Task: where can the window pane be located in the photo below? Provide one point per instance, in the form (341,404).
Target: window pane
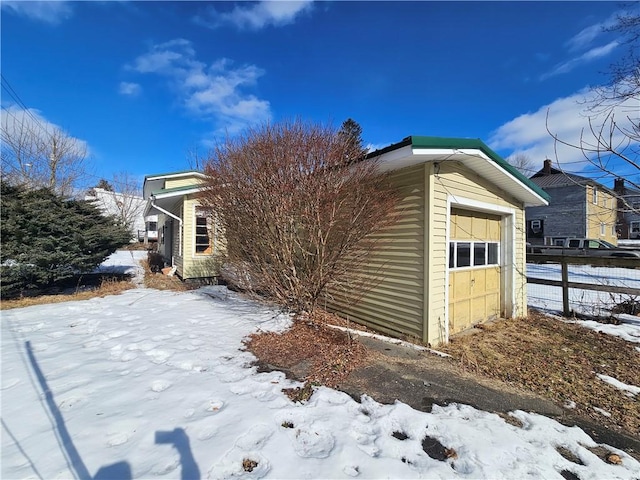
(479,251)
(493,254)
(452,253)
(202,239)
(463,254)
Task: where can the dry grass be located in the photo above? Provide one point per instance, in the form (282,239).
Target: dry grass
(107,287)
(328,354)
(546,356)
(160,281)
(556,360)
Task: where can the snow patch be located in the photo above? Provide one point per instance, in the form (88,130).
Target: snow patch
(630,390)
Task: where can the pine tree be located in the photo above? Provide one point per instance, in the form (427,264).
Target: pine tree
(351,132)
(47,238)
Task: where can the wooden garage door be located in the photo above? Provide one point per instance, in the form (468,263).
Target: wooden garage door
(474,268)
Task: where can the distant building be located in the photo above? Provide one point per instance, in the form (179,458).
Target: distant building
(628,201)
(578,207)
(128,208)
(189,236)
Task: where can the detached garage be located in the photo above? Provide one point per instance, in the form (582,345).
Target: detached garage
(456,257)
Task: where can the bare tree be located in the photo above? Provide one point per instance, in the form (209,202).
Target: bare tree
(196,159)
(611,140)
(297,220)
(124,201)
(523,163)
(37,155)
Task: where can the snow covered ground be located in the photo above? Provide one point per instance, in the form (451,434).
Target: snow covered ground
(154,384)
(589,302)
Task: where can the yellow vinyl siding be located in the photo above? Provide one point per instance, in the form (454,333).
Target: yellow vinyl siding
(182,182)
(410,297)
(604,212)
(395,305)
(196,265)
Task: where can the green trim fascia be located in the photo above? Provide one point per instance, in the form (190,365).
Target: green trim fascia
(169,174)
(417,141)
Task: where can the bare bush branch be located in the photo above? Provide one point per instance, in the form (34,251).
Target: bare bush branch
(298,220)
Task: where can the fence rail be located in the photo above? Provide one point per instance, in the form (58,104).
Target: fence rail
(565,260)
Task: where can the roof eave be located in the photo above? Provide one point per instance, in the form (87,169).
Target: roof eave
(405,154)
(166,199)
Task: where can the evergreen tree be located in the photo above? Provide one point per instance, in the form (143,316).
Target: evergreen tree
(105,185)
(351,133)
(47,238)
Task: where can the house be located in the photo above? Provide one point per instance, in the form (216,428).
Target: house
(125,207)
(189,238)
(628,202)
(150,232)
(456,256)
(578,207)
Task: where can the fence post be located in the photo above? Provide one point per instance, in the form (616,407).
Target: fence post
(565,288)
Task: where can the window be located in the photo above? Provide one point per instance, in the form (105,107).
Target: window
(535,229)
(203,228)
(603,229)
(574,243)
(463,254)
(477,254)
(594,197)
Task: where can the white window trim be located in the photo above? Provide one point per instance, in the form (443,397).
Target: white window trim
(212,239)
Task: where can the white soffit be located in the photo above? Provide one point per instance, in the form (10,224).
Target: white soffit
(473,159)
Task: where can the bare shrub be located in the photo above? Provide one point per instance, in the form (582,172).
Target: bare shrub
(297,210)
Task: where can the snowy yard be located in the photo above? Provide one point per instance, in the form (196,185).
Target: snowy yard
(153,384)
(588,302)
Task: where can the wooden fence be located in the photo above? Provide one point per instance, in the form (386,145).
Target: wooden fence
(565,260)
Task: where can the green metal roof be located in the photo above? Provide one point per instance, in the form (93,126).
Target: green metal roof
(417,142)
(170,174)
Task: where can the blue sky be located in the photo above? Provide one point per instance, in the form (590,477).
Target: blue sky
(142,83)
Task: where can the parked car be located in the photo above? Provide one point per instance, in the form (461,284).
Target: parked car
(589,247)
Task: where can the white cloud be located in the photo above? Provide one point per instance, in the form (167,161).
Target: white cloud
(215,91)
(593,54)
(13,117)
(587,35)
(50,11)
(129,88)
(257,15)
(568,118)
